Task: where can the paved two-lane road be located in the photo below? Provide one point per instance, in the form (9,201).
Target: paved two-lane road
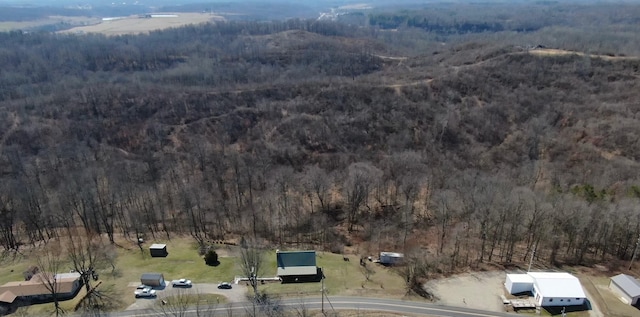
(338,303)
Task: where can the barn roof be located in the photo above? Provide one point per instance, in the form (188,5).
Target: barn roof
(627,284)
(558,284)
(296,262)
(158,246)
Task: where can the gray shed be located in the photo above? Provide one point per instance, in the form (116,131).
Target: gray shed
(152,279)
(627,287)
(158,250)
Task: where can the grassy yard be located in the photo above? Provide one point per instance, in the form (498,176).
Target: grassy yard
(342,278)
(183,261)
(607,301)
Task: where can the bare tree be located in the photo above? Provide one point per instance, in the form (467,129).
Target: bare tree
(185,303)
(317,185)
(50,262)
(251,262)
(360,179)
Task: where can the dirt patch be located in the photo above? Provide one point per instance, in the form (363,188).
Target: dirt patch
(479,290)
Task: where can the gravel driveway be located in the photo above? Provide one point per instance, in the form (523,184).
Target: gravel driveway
(234,295)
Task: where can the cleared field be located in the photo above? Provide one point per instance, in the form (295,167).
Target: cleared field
(137,25)
(556,52)
(52,20)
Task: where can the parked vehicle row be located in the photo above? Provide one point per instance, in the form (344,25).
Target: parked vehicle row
(145,291)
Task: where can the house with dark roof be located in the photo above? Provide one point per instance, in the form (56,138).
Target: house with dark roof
(627,288)
(297,266)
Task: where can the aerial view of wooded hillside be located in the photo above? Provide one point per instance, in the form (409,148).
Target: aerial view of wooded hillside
(459,135)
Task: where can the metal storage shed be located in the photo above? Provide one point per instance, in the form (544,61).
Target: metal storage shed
(152,279)
(158,250)
(627,287)
(391,258)
(519,283)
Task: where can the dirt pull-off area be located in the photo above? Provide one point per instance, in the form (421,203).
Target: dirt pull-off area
(479,290)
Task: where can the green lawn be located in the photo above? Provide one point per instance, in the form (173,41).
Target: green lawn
(342,278)
(183,261)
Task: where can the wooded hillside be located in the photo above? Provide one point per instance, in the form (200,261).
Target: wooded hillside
(474,147)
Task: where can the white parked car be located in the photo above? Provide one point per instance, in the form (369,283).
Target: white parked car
(146,292)
(140,288)
(183,282)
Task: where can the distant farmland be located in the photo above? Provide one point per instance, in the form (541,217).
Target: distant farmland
(49,21)
(135,24)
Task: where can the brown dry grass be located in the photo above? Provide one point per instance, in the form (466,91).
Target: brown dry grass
(137,25)
(607,301)
(556,52)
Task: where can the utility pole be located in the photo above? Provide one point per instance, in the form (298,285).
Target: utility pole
(322,293)
(253,281)
(635,250)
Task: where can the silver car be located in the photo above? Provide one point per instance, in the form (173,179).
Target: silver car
(146,292)
(183,282)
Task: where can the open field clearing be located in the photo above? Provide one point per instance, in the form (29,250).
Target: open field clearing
(555,52)
(137,25)
(52,20)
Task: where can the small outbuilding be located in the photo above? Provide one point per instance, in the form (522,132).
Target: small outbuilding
(519,283)
(152,279)
(626,287)
(391,258)
(158,250)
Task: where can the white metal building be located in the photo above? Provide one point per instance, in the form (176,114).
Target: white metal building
(391,258)
(626,287)
(519,283)
(549,288)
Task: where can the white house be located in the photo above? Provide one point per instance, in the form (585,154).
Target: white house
(548,288)
(626,287)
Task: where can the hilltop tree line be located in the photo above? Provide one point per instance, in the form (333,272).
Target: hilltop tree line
(303,133)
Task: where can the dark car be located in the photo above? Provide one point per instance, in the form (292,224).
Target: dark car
(224,285)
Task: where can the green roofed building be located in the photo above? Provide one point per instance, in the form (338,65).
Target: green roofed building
(297,265)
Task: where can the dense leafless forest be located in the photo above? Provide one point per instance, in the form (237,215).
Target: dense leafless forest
(454,131)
